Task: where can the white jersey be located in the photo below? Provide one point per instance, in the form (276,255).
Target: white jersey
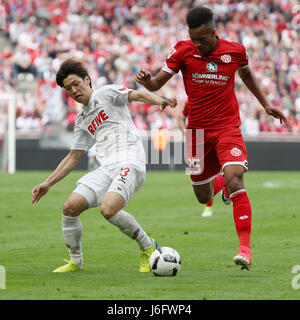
(106,121)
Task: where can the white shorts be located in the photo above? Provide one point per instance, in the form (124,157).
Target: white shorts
(125,180)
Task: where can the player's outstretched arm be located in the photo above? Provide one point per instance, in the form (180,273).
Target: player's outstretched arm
(152,83)
(151,98)
(63,169)
(252,84)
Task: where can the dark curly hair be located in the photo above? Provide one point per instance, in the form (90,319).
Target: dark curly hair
(198,16)
(71,66)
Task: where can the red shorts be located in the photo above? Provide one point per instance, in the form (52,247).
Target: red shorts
(209,151)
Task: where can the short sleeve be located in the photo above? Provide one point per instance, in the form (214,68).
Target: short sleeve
(174,60)
(81,140)
(116,94)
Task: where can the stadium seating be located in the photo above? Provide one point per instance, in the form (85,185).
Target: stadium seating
(117,38)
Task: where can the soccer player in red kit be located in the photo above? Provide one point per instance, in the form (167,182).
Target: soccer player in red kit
(208,65)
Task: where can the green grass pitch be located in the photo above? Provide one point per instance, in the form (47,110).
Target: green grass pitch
(31,242)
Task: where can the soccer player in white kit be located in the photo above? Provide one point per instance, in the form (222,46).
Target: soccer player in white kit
(106,121)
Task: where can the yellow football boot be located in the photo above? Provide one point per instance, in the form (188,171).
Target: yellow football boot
(69,267)
(145,256)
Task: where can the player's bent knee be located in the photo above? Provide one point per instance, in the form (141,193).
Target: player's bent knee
(107,211)
(70,210)
(235,183)
(203,198)
(203,193)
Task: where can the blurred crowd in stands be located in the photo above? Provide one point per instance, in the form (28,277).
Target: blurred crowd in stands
(116,38)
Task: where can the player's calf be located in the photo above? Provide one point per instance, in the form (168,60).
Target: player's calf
(75,205)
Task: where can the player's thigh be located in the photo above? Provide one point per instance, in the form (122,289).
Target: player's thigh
(232,155)
(113,202)
(203,168)
(127,182)
(75,205)
(94,186)
(203,182)
(231,149)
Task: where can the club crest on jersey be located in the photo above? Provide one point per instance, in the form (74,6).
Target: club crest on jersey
(236,152)
(226,58)
(211,66)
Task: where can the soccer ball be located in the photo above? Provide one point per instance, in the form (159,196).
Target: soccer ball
(165,262)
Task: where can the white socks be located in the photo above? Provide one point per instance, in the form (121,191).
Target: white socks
(129,226)
(72,231)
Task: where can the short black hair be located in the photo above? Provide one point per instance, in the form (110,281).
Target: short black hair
(198,16)
(71,66)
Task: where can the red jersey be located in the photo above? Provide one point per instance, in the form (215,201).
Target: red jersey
(209,82)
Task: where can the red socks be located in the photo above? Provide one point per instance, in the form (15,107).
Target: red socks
(242,216)
(219,183)
(210,203)
(241,210)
